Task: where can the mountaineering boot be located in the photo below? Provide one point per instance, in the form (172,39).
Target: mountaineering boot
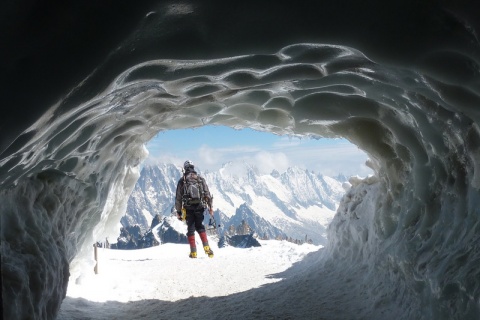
(208,251)
(193,247)
(206,247)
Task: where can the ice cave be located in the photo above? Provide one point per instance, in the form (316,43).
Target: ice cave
(86,84)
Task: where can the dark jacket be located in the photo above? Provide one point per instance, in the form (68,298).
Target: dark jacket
(180,190)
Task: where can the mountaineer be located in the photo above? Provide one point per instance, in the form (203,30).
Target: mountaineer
(192,198)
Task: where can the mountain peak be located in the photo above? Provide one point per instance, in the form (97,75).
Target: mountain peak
(295,203)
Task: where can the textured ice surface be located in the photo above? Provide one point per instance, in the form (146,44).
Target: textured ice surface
(405,241)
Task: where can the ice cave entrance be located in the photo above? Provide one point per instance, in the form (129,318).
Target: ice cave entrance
(308,175)
(211,147)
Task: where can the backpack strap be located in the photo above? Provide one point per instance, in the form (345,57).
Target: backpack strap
(184,189)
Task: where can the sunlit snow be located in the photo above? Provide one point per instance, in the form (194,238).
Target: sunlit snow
(150,277)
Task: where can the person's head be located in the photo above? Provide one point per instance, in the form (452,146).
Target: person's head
(188,165)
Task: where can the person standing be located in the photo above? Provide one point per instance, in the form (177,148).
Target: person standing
(192,198)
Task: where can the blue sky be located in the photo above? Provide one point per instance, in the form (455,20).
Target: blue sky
(209,147)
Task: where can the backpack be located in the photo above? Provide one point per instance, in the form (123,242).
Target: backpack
(193,190)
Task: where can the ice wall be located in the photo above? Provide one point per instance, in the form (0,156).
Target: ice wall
(410,233)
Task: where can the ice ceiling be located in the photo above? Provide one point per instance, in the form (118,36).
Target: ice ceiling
(86,85)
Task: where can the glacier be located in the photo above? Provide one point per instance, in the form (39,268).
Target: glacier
(86,85)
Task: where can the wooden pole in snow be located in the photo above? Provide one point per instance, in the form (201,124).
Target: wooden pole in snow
(95,254)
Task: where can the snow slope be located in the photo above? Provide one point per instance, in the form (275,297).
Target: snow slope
(156,283)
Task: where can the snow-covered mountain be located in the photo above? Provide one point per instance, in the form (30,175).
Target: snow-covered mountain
(297,203)
(153,194)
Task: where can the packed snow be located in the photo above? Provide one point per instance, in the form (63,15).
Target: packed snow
(163,282)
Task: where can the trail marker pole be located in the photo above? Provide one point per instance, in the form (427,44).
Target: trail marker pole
(95,254)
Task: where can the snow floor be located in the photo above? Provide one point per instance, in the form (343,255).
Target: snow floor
(163,283)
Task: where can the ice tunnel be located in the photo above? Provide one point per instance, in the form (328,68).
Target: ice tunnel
(86,85)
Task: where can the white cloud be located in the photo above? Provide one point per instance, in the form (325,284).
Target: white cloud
(326,157)
(331,159)
(213,158)
(267,161)
(165,158)
(208,156)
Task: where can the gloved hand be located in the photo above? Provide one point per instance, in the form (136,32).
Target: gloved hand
(179,215)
